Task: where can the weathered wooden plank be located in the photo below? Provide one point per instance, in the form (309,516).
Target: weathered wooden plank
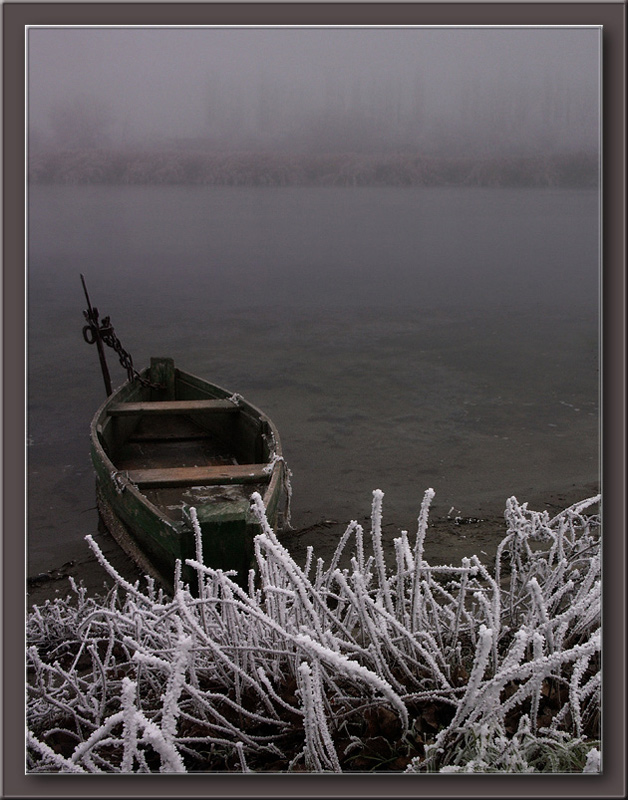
(199,476)
(157,436)
(170,407)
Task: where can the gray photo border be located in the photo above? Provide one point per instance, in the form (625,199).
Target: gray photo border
(612,17)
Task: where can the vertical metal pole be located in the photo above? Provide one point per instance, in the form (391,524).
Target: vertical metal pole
(92,316)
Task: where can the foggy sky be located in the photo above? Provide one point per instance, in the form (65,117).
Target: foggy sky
(448,90)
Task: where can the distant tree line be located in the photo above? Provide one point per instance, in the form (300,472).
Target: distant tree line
(186,165)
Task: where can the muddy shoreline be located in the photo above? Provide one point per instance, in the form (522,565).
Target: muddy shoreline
(449,539)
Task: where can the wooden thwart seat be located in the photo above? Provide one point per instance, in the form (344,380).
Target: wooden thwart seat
(170,407)
(153,437)
(199,476)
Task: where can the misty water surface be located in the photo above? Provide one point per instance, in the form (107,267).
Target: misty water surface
(399,338)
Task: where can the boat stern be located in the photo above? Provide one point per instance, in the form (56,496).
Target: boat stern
(228,531)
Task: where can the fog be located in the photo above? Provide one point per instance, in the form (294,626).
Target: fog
(441,91)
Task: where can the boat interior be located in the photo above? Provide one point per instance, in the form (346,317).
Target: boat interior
(187,450)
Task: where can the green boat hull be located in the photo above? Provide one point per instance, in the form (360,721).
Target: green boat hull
(159,452)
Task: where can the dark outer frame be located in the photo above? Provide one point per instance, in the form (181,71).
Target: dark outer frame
(612,17)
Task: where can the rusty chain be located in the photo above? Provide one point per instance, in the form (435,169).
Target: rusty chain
(104,330)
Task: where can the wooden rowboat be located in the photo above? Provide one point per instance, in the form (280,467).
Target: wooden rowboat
(158,452)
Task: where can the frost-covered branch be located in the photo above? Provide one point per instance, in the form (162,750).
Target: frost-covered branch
(416,666)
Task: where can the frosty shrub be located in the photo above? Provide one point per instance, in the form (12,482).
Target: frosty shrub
(416,668)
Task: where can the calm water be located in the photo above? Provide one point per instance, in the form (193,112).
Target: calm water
(399,338)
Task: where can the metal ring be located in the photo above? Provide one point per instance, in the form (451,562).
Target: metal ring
(89,339)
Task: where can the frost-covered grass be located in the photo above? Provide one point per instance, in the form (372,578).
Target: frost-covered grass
(416,668)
